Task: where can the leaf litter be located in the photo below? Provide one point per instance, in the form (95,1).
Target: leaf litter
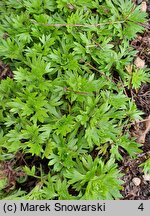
(137,184)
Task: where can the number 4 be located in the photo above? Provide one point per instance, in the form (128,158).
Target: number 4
(141,207)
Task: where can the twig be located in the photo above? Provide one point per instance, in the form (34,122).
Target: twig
(76,25)
(85,25)
(141,95)
(88,25)
(77,92)
(145,25)
(123,87)
(144,120)
(137,122)
(87,63)
(144,154)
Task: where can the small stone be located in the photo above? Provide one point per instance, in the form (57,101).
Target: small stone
(70,6)
(139,63)
(139,1)
(146,177)
(143,6)
(136,181)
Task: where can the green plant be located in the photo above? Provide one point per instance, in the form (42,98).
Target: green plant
(135,77)
(63,103)
(146,166)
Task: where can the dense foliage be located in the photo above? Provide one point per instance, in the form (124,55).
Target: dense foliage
(66,104)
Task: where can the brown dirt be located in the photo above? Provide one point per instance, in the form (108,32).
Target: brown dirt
(5,71)
(142,98)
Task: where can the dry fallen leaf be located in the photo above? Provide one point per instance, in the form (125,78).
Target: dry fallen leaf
(139,63)
(143,6)
(129,68)
(146,177)
(141,138)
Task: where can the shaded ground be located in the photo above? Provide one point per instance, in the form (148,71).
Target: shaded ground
(130,167)
(5,71)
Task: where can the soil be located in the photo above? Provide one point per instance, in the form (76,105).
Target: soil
(5,71)
(139,190)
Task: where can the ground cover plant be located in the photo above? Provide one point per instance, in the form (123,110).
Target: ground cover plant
(65,110)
